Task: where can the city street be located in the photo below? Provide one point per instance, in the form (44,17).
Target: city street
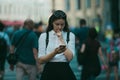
(19,17)
(10,75)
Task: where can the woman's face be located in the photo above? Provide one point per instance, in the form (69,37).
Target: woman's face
(58,25)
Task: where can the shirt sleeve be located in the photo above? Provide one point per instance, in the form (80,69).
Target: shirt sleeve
(42,45)
(71,43)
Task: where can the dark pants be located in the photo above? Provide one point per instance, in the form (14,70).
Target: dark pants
(57,71)
(2,61)
(2,64)
(90,73)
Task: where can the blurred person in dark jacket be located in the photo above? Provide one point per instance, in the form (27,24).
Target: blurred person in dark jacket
(81,34)
(91,49)
(4,48)
(38,28)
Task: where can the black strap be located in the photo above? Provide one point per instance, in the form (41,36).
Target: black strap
(47,38)
(68,37)
(21,40)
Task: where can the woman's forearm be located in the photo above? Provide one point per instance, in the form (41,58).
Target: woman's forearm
(68,54)
(47,57)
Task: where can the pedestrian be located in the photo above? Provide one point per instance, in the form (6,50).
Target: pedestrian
(25,42)
(90,50)
(38,28)
(117,43)
(112,59)
(58,53)
(81,34)
(4,48)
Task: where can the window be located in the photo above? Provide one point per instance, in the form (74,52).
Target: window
(67,4)
(78,4)
(9,9)
(97,3)
(88,3)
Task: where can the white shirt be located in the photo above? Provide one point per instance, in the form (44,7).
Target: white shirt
(54,43)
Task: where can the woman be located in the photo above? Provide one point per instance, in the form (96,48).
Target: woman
(58,52)
(90,48)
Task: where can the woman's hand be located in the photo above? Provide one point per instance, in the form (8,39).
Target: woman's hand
(59,34)
(60,49)
(60,37)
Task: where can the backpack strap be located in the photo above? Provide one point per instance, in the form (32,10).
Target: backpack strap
(47,38)
(20,41)
(68,33)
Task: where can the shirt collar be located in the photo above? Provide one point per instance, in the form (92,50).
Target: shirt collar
(53,32)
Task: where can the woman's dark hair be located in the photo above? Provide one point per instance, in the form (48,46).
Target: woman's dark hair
(92,33)
(58,14)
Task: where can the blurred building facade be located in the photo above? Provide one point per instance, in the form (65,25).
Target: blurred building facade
(21,9)
(94,11)
(77,9)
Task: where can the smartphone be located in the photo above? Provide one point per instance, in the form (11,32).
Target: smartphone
(62,46)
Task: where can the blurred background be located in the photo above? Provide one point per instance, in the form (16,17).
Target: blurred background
(103,14)
(96,12)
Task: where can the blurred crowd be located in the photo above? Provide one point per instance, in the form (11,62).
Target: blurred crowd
(109,41)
